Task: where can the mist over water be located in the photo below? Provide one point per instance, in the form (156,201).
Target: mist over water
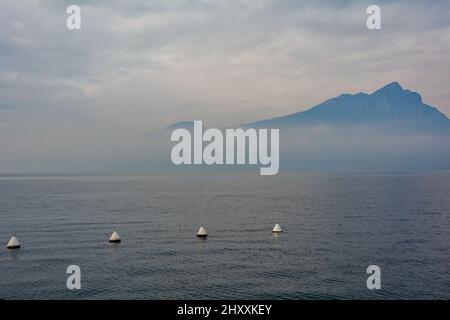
(335,225)
(366,148)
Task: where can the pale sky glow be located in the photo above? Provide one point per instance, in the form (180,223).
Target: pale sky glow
(71,99)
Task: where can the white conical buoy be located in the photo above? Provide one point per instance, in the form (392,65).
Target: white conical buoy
(277,229)
(13,243)
(115,237)
(202,233)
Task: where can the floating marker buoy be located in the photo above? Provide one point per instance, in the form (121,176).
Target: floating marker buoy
(277,229)
(202,233)
(115,237)
(13,243)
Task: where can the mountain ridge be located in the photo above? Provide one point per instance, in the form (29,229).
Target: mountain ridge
(389,109)
(391,103)
(388,129)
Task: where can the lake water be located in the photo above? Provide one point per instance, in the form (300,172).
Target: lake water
(335,225)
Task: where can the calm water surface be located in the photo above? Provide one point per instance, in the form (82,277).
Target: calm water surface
(335,225)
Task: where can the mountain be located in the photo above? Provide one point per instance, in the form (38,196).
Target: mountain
(391,106)
(180,125)
(388,130)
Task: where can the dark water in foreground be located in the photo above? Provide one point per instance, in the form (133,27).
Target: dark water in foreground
(335,226)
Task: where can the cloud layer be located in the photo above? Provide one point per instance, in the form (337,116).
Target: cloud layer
(88,99)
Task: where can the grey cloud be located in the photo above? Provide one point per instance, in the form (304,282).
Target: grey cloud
(137,66)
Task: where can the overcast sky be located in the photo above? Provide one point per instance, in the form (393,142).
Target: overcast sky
(78,100)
